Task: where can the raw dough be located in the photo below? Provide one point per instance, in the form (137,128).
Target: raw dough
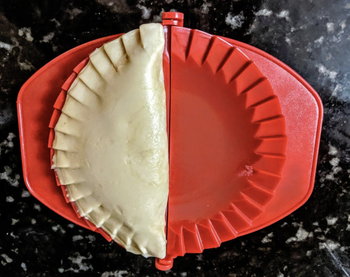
(111,149)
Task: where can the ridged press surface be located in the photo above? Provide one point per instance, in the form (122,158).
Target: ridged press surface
(229,87)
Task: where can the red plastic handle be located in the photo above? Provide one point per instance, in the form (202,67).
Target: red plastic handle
(164,264)
(173,19)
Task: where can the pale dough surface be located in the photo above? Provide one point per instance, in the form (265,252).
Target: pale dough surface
(111,148)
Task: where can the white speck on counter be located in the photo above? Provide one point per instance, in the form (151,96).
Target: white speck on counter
(301,235)
(280,274)
(73,12)
(319,41)
(326,72)
(60,270)
(25,193)
(183,274)
(309,48)
(308,253)
(48,37)
(9,199)
(7,258)
(14,221)
(81,263)
(77,237)
(117,273)
(330,27)
(291,239)
(37,207)
(24,266)
(336,169)
(283,14)
(329,245)
(205,7)
(13,235)
(6,176)
(337,88)
(332,150)
(342,26)
(331,220)
(58,227)
(334,161)
(236,21)
(263,12)
(26,32)
(337,38)
(267,238)
(6,46)
(91,238)
(200,257)
(57,24)
(145,12)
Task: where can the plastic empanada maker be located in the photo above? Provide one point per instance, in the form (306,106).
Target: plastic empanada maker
(244,131)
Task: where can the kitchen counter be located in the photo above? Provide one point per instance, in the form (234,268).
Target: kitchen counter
(311,36)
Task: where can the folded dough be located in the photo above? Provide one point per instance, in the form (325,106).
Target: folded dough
(111,149)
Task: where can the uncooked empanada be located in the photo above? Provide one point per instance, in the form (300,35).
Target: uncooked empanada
(111,148)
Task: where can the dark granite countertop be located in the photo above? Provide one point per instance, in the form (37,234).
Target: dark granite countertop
(311,36)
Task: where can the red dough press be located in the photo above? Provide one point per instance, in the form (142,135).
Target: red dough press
(244,131)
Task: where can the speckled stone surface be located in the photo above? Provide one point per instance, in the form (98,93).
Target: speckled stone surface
(311,36)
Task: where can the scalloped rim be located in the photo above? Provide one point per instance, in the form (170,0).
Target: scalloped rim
(203,45)
(318,132)
(53,121)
